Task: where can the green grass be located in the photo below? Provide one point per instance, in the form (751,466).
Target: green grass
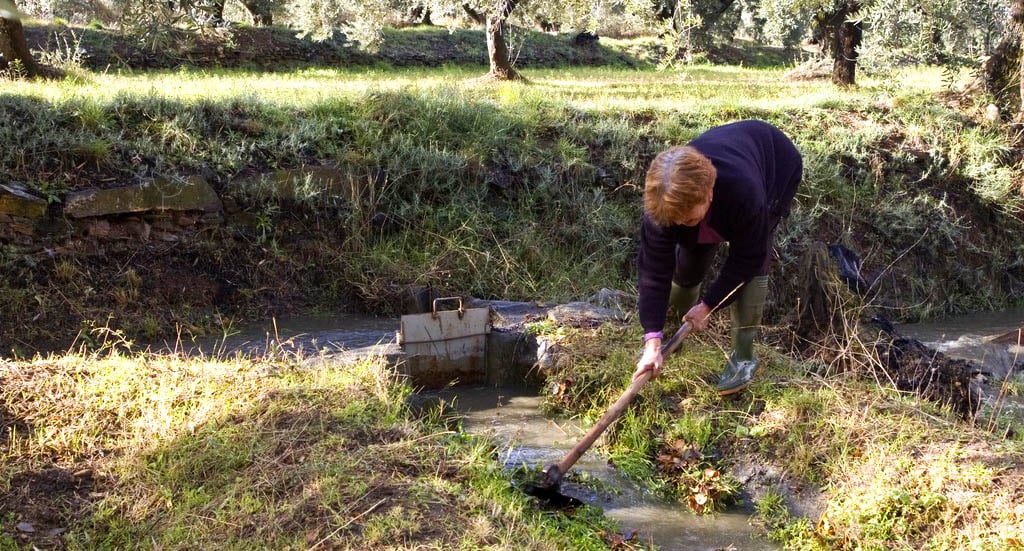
(895,472)
(241,453)
(693,88)
(522,191)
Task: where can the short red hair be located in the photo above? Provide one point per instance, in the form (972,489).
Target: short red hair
(679,179)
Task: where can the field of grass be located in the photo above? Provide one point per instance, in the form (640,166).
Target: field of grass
(526,191)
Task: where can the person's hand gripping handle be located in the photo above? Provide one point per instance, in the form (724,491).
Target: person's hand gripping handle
(655,352)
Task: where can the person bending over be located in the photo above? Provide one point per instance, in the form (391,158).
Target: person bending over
(733,183)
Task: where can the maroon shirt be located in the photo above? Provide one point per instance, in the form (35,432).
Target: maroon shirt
(759,170)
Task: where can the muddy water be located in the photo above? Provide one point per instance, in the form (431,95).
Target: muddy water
(970,337)
(306,334)
(511,417)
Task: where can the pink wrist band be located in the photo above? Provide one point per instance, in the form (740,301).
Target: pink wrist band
(653,335)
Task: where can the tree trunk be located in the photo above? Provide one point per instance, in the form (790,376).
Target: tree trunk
(216,13)
(938,53)
(709,20)
(102,12)
(420,15)
(497,50)
(260,11)
(14,47)
(1001,69)
(846,40)
(476,16)
(822,33)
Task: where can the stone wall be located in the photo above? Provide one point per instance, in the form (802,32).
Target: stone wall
(155,210)
(158,210)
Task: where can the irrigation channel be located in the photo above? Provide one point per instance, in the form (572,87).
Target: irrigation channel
(989,339)
(510,415)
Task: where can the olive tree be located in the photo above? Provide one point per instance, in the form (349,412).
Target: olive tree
(13,46)
(935,31)
(919,31)
(1002,71)
(363,20)
(76,11)
(835,24)
(701,24)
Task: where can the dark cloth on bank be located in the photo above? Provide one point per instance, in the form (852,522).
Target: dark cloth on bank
(758,171)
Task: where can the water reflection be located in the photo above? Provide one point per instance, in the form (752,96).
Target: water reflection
(310,334)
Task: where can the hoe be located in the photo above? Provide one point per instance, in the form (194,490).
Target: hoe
(549,485)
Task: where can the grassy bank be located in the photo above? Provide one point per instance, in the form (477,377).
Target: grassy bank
(525,191)
(873,468)
(109,451)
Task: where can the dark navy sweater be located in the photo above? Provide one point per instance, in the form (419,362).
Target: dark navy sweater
(758,169)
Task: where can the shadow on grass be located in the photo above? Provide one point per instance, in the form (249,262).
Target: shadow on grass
(39,505)
(304,466)
(279,48)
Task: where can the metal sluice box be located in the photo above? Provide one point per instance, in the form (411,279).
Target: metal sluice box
(445,346)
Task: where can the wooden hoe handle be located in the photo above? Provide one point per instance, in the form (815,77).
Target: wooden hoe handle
(619,406)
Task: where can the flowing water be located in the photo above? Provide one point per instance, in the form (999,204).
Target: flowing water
(333,333)
(970,337)
(511,416)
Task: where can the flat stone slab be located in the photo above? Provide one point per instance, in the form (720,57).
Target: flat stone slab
(15,201)
(583,314)
(605,305)
(159,194)
(510,314)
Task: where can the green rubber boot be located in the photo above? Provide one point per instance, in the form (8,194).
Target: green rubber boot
(742,366)
(683,298)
